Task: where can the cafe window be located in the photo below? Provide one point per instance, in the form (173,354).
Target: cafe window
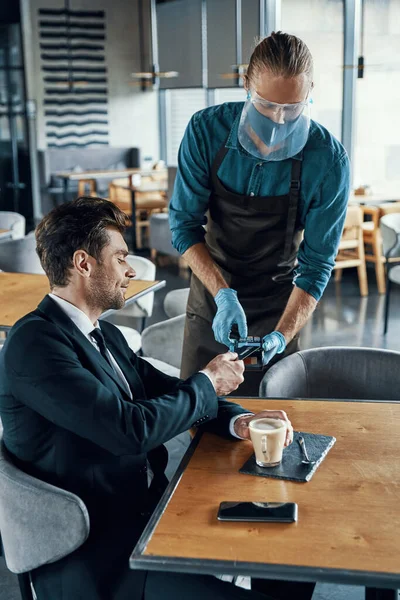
(222,95)
(181,104)
(377,120)
(320,24)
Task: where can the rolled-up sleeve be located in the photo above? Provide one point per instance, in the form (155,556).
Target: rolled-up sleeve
(323,229)
(190,198)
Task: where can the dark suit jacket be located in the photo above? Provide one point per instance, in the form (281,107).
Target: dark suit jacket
(68,421)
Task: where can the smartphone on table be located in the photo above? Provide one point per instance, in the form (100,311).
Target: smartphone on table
(267,512)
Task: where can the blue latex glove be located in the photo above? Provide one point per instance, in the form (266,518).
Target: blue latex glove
(229,311)
(273,343)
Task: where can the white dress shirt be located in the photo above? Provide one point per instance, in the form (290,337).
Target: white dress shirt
(84,324)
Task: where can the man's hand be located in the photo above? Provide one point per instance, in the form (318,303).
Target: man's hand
(226,372)
(229,311)
(241,426)
(273,343)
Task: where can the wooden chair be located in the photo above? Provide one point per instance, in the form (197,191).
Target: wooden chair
(351,248)
(91,184)
(147,203)
(373,240)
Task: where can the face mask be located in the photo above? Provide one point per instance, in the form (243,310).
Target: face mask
(269,132)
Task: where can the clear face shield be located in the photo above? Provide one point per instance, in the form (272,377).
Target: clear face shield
(272,131)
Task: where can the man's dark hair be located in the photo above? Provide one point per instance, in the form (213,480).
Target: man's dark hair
(77,225)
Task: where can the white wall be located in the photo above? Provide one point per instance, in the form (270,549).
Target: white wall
(133,115)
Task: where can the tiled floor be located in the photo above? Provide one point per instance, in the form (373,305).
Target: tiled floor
(342,318)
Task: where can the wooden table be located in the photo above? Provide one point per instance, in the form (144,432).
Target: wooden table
(20,293)
(348,530)
(374,199)
(5,234)
(68,176)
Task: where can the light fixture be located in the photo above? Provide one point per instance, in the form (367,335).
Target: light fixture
(147,79)
(238,73)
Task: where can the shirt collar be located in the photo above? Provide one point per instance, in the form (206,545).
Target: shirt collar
(233,141)
(77,316)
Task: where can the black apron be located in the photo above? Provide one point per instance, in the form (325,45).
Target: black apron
(254,242)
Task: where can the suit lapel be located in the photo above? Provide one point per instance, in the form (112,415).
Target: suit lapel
(128,369)
(52,311)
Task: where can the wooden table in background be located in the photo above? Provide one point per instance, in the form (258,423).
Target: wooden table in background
(20,293)
(5,234)
(374,199)
(160,177)
(348,529)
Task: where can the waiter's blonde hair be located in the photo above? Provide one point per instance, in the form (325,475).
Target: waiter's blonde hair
(282,55)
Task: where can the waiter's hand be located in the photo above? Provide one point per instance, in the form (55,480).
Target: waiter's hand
(226,372)
(273,343)
(229,311)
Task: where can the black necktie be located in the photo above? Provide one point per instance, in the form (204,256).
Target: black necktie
(98,336)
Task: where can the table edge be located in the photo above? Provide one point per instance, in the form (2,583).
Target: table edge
(264,571)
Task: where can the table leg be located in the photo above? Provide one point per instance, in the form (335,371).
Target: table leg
(65,192)
(133,220)
(380,594)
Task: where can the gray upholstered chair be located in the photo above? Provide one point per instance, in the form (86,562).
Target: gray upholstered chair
(390,232)
(14,222)
(19,256)
(175,302)
(160,236)
(39,523)
(335,372)
(163,342)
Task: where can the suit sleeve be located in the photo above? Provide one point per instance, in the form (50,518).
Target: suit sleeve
(156,383)
(45,374)
(220,425)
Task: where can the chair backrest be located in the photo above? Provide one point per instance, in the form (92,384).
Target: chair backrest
(352,225)
(164,340)
(175,302)
(19,256)
(335,372)
(13,221)
(160,235)
(39,523)
(146,270)
(390,230)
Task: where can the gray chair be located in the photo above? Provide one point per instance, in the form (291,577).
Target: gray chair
(390,232)
(335,372)
(14,222)
(175,302)
(39,523)
(164,341)
(19,256)
(160,236)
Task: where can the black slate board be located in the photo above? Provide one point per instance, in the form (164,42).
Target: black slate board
(291,466)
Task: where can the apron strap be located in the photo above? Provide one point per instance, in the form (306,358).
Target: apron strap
(294,194)
(222,152)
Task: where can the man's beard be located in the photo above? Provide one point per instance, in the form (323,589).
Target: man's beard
(102,296)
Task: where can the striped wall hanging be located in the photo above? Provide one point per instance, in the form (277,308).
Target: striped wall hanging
(72,51)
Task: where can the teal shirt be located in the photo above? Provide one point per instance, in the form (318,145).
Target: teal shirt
(325,181)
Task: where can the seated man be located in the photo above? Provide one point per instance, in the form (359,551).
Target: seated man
(81,411)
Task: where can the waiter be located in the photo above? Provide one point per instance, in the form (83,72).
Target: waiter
(274,185)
